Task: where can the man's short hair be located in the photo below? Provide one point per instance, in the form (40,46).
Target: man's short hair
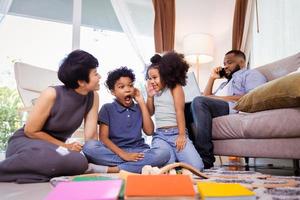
(237,53)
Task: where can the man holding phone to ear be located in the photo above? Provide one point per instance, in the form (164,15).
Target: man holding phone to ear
(204,108)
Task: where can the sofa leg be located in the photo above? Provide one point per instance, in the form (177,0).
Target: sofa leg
(296,167)
(247,163)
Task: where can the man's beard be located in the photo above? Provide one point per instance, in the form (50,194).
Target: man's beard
(229,76)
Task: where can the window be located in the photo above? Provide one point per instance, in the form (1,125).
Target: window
(103,36)
(279,32)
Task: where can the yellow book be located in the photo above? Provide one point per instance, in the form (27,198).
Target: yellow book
(224,191)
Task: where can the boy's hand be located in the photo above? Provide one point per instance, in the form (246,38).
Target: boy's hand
(180,142)
(74,146)
(150,90)
(137,95)
(132,156)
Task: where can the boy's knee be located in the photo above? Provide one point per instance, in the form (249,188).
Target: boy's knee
(91,144)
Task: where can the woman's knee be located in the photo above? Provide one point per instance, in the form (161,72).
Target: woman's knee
(75,163)
(53,163)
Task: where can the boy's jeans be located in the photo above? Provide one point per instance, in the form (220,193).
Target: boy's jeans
(97,153)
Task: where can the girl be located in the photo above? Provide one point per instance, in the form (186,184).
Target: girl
(165,78)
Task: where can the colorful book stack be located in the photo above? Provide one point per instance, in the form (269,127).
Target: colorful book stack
(86,190)
(224,191)
(159,187)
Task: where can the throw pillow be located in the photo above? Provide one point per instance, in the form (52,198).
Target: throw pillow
(283,92)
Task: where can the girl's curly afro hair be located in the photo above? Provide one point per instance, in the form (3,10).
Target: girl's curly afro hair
(172,68)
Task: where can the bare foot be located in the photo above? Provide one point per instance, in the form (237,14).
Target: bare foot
(113,169)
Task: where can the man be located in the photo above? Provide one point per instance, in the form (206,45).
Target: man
(204,108)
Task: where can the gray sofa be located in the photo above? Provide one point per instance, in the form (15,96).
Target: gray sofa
(266,134)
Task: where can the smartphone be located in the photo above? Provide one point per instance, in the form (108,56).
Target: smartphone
(222,73)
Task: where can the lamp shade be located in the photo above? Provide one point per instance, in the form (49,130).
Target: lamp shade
(198,45)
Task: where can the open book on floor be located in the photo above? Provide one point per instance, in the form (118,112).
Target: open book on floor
(224,191)
(83,190)
(159,187)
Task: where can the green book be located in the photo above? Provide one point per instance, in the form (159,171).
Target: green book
(92,178)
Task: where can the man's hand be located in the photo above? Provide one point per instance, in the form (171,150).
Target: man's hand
(180,142)
(74,146)
(132,156)
(215,73)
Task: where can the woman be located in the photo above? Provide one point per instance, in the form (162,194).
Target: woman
(38,152)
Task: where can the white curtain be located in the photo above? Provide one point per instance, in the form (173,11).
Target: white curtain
(4,8)
(247,39)
(279,30)
(137,31)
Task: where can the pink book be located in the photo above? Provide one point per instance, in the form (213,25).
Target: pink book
(87,190)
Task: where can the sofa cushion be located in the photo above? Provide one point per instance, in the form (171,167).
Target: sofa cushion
(280,67)
(277,123)
(283,92)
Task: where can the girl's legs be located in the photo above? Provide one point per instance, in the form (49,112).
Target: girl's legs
(188,155)
(159,141)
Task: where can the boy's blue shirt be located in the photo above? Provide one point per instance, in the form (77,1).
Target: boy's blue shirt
(125,124)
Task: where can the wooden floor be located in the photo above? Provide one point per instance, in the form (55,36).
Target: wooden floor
(13,191)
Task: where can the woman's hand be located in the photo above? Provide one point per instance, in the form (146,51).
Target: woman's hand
(132,156)
(74,146)
(180,142)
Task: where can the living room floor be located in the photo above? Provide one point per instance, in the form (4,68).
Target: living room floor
(37,191)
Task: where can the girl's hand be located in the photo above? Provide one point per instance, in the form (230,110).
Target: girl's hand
(74,146)
(180,142)
(137,95)
(150,90)
(132,156)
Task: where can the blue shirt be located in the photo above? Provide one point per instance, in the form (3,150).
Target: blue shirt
(241,83)
(124,124)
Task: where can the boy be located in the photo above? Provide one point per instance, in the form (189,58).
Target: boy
(121,146)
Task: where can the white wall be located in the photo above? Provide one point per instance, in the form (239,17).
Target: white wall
(214,17)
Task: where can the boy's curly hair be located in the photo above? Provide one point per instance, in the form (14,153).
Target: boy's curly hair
(172,68)
(116,74)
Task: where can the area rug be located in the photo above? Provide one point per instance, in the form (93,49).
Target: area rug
(266,187)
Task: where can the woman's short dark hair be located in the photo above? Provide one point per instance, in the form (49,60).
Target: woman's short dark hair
(172,68)
(76,66)
(116,74)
